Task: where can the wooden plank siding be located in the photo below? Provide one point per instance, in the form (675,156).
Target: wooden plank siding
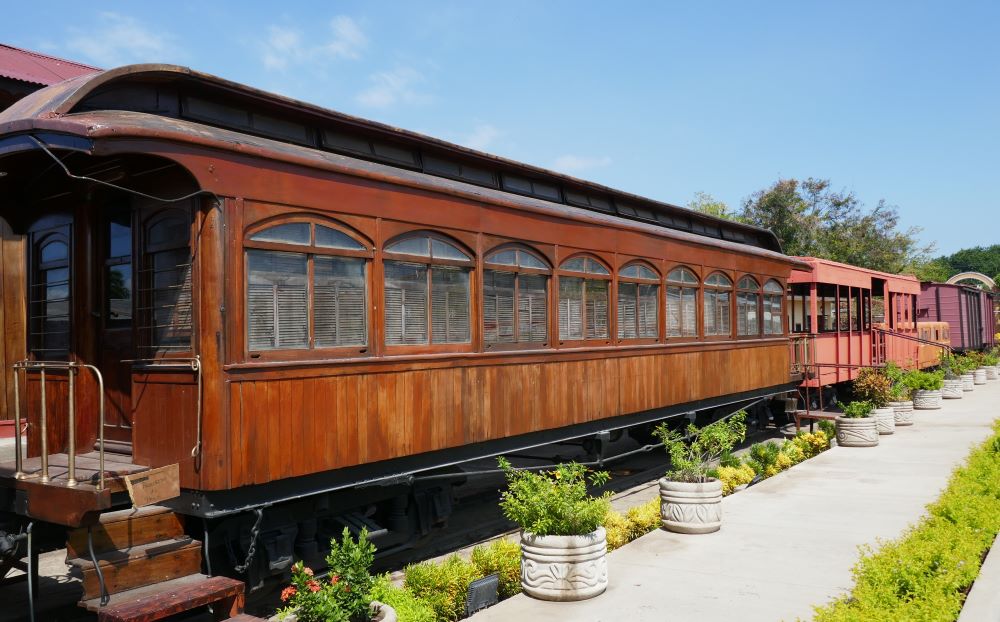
(285,427)
(12,313)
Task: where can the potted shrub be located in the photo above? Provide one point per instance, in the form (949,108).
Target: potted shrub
(690,499)
(874,387)
(990,360)
(563,545)
(979,371)
(951,387)
(926,389)
(856,427)
(344,595)
(899,394)
(966,364)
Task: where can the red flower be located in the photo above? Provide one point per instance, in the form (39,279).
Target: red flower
(313,586)
(308,571)
(288,592)
(334,579)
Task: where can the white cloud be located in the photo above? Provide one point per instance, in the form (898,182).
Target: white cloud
(481,137)
(391,87)
(119,40)
(285,46)
(574,163)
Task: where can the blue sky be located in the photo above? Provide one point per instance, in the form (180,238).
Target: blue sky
(893,100)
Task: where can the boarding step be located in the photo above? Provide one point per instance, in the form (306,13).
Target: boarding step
(159,601)
(126,528)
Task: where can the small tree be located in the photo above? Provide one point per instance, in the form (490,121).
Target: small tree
(693,453)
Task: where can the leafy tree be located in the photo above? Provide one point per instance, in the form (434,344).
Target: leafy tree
(707,204)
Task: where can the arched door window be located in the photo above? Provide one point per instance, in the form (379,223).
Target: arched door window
(774,295)
(747,307)
(718,303)
(638,302)
(583,299)
(682,303)
(515,297)
(306,287)
(426,291)
(165,283)
(50,296)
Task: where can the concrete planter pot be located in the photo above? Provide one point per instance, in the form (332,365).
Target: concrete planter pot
(861,432)
(903,412)
(991,373)
(952,389)
(968,382)
(564,568)
(927,400)
(687,507)
(885,420)
(979,376)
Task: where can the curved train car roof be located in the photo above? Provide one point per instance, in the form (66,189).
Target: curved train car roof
(167,101)
(827,271)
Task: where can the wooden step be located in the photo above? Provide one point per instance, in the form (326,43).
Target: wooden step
(155,602)
(138,566)
(125,529)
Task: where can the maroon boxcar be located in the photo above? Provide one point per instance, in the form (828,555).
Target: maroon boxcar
(968,310)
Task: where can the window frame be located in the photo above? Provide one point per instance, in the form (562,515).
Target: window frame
(657,281)
(474,285)
(561,273)
(698,304)
(39,239)
(739,288)
(783,295)
(310,251)
(143,283)
(731,290)
(546,272)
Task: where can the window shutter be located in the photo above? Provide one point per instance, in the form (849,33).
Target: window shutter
(627,310)
(689,311)
(293,316)
(711,312)
(647,317)
(171,300)
(596,295)
(405,303)
(339,302)
(260,316)
(532,308)
(450,305)
(498,307)
(723,321)
(570,308)
(277,279)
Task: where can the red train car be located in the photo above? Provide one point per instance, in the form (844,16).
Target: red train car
(968,310)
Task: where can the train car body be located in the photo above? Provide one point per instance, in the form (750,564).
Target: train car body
(299,307)
(969,311)
(850,317)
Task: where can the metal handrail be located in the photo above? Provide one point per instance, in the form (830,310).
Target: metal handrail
(927,342)
(194,364)
(71,367)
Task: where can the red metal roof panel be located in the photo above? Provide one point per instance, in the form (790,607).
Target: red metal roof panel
(36,68)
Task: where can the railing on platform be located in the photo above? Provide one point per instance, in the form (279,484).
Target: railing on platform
(880,347)
(802,348)
(71,368)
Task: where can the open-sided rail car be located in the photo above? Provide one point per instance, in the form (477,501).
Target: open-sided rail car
(300,307)
(968,311)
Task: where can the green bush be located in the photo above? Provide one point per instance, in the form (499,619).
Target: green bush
(925,574)
(873,385)
(554,503)
(346,594)
(694,452)
(858,410)
(925,380)
(408,607)
(828,428)
(637,521)
(731,477)
(502,557)
(443,585)
(763,458)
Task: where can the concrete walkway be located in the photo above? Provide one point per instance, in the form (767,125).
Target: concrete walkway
(788,543)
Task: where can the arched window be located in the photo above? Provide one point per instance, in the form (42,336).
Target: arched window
(583,299)
(774,295)
(682,303)
(166,282)
(426,272)
(50,296)
(515,297)
(306,287)
(718,302)
(747,307)
(638,301)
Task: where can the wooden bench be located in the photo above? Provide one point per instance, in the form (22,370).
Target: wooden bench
(812,415)
(161,600)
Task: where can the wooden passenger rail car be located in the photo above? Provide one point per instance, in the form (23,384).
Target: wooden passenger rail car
(304,309)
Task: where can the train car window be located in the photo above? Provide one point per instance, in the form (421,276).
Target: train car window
(799,311)
(773,299)
(718,302)
(748,307)
(843,309)
(826,307)
(866,309)
(50,296)
(638,302)
(855,309)
(427,300)
(165,280)
(682,303)
(307,288)
(515,298)
(583,300)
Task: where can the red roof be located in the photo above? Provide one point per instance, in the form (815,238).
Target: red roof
(36,68)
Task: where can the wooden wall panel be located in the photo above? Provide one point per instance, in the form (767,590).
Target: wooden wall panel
(12,313)
(289,426)
(165,429)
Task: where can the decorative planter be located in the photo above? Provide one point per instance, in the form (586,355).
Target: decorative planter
(564,568)
(691,507)
(979,376)
(952,389)
(903,412)
(926,400)
(885,419)
(861,432)
(991,373)
(968,382)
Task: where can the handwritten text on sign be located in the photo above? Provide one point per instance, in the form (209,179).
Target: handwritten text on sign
(153,486)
